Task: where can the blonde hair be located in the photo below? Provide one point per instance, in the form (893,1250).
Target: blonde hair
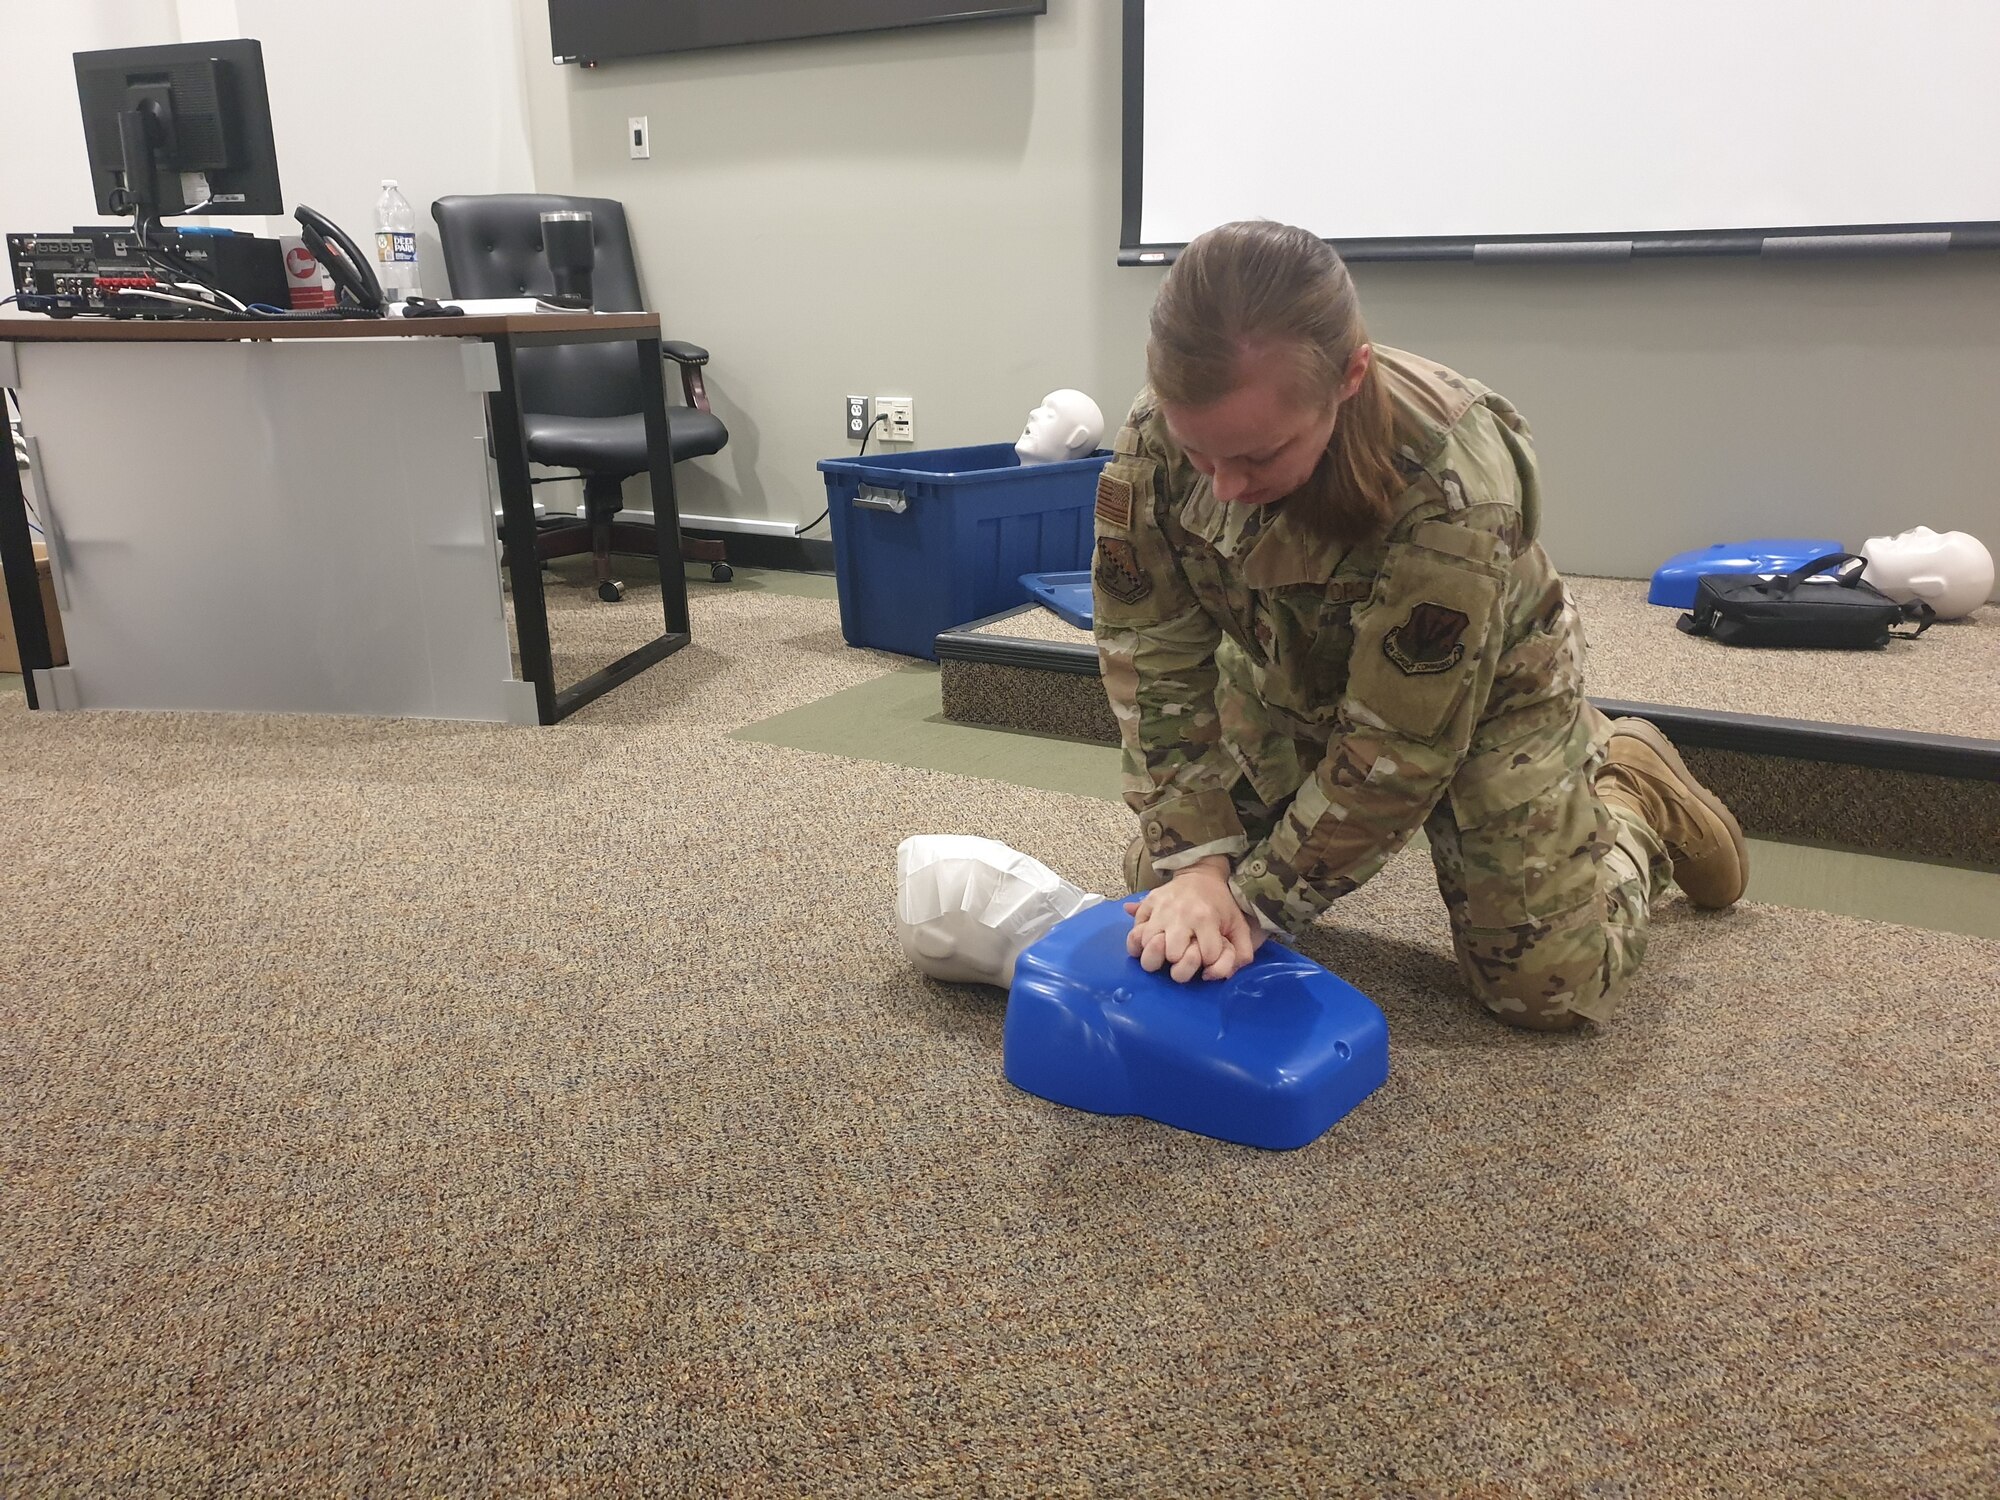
(1261,284)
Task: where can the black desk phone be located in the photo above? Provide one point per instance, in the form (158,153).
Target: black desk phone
(352,274)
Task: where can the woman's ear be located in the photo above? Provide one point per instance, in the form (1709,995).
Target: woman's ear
(1356,371)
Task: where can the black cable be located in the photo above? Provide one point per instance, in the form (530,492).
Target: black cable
(346,311)
(160,258)
(135,300)
(879,417)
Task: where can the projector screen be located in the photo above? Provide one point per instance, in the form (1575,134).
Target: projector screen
(1565,127)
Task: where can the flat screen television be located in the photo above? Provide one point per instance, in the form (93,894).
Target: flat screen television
(594,31)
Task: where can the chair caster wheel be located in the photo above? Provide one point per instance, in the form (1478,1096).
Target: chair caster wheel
(721,572)
(611,591)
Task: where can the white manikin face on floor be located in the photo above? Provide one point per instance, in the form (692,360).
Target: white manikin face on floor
(966,908)
(1066,425)
(1950,571)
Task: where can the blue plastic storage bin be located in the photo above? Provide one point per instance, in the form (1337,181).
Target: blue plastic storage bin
(925,541)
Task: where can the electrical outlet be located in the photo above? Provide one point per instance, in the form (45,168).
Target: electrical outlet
(902,412)
(639,136)
(858,418)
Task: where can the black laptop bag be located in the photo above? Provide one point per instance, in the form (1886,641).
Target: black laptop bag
(1800,609)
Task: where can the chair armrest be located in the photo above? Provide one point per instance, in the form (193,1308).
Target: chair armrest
(690,357)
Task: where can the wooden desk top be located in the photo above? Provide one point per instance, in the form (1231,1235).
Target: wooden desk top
(37,328)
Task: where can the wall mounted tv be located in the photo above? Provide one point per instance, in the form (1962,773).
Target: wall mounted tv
(594,31)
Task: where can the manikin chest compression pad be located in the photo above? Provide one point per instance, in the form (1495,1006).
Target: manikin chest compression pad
(1271,1056)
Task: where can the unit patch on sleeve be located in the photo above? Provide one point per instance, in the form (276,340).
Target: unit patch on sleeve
(1428,641)
(1114,501)
(1119,572)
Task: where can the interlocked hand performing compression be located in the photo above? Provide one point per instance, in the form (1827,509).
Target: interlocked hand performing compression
(1192,925)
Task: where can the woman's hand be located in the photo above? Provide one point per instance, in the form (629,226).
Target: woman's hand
(1194,924)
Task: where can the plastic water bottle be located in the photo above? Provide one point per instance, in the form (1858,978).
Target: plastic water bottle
(396,244)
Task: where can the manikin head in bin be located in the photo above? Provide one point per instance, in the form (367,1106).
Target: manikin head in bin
(966,908)
(1066,425)
(1951,571)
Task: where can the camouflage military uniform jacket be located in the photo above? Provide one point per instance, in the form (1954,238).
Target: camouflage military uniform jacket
(1352,688)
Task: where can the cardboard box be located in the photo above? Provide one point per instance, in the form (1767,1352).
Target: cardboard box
(306,280)
(10,650)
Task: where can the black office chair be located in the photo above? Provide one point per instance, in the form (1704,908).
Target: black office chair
(581,402)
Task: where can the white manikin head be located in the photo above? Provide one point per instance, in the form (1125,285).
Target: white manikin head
(1950,571)
(966,908)
(1066,425)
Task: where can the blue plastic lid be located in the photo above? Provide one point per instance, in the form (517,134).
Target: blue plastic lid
(1676,579)
(1068,594)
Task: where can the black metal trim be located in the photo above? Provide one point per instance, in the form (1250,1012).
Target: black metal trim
(1005,651)
(1132,188)
(1955,756)
(967,644)
(1788,243)
(1012,611)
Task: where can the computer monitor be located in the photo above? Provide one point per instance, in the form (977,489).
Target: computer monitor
(178,129)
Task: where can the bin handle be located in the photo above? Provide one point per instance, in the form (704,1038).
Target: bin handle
(874,498)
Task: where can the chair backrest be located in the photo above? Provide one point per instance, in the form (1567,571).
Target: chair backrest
(493,248)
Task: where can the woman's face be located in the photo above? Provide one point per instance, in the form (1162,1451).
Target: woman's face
(1258,443)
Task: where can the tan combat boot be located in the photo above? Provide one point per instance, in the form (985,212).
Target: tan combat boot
(1644,774)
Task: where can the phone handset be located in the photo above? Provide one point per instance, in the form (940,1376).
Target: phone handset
(343,259)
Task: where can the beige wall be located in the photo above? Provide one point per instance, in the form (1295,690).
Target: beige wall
(467,134)
(935,213)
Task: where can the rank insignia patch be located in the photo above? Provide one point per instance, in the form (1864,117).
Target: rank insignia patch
(1429,641)
(1114,501)
(1118,571)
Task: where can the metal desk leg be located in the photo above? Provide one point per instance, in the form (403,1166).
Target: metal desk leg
(666,503)
(666,541)
(24,584)
(517,509)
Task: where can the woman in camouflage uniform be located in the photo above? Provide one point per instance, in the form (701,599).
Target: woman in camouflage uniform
(1325,622)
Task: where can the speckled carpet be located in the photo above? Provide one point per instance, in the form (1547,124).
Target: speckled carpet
(398,1107)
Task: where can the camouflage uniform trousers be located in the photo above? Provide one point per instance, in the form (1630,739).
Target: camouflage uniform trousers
(1548,901)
